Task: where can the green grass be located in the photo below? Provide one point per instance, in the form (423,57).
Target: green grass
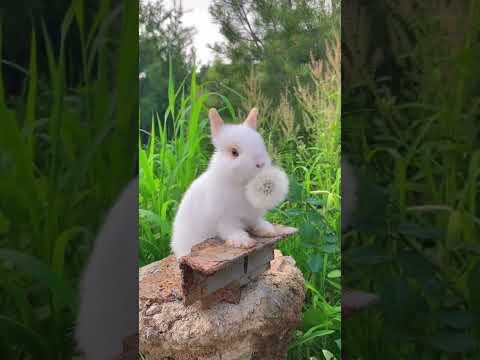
(59,153)
(178,150)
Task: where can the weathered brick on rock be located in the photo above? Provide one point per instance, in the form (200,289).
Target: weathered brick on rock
(258,326)
(213,265)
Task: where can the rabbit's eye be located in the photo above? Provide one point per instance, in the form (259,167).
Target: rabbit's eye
(234,152)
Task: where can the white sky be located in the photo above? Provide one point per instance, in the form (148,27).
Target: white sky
(197,15)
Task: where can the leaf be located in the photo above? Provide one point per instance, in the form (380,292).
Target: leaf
(313,317)
(330,248)
(62,294)
(454,229)
(311,334)
(294,212)
(334,274)
(4,224)
(23,337)
(473,284)
(32,94)
(435,288)
(402,302)
(151,217)
(315,262)
(366,256)
(457,319)
(420,232)
(295,190)
(316,201)
(315,217)
(416,266)
(370,215)
(452,342)
(331,238)
(61,244)
(328,355)
(308,233)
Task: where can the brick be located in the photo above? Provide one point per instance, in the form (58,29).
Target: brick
(213,265)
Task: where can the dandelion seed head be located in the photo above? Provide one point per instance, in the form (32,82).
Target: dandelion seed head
(268,189)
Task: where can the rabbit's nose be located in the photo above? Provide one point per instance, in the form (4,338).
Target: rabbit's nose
(260,165)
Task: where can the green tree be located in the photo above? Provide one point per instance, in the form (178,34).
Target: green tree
(162,38)
(276,37)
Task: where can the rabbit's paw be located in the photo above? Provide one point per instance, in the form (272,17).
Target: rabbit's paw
(264,229)
(240,239)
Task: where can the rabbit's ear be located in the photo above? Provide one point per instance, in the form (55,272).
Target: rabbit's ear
(216,121)
(251,119)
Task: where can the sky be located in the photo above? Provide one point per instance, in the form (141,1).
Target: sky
(197,15)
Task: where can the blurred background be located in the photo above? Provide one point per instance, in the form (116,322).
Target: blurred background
(410,127)
(67,149)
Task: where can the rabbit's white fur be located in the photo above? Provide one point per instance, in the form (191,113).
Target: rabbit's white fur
(215,204)
(109,289)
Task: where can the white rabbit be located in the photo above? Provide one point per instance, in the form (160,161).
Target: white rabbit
(109,290)
(215,204)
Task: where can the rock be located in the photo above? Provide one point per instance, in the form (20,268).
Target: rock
(259,326)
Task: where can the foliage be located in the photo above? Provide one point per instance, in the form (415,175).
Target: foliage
(59,153)
(17,25)
(275,39)
(414,137)
(162,38)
